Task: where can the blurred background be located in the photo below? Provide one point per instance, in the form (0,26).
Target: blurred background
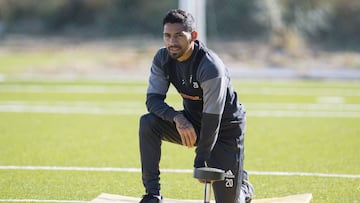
(258,38)
(73,81)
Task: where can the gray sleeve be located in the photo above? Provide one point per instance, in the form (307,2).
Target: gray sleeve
(157,89)
(214,94)
(214,86)
(158,80)
(214,80)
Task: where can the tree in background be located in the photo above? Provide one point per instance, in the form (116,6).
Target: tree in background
(106,17)
(288,23)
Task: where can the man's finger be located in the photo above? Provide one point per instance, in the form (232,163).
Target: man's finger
(188,139)
(192,140)
(191,137)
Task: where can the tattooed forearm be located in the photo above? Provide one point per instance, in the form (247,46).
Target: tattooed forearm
(182,122)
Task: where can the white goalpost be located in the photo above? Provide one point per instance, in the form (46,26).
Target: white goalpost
(198,9)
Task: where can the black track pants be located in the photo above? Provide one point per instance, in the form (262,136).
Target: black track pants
(227,155)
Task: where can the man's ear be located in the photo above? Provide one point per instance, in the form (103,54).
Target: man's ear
(194,35)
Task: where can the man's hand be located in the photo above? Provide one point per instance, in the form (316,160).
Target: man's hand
(186,130)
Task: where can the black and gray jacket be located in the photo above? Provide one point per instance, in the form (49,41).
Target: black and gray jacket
(209,100)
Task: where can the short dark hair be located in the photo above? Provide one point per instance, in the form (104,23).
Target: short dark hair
(180,16)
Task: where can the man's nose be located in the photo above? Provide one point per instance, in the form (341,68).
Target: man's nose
(172,40)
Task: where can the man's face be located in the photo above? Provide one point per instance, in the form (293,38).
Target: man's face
(178,42)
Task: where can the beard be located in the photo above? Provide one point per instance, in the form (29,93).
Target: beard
(177,53)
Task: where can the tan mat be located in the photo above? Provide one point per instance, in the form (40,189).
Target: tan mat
(110,198)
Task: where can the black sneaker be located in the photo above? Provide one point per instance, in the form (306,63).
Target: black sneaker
(151,198)
(248,189)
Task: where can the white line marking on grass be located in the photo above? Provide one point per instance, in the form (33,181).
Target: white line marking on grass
(137,108)
(331,99)
(93,89)
(122,108)
(300,91)
(70,168)
(303,106)
(301,114)
(102,89)
(327,175)
(40,200)
(169,170)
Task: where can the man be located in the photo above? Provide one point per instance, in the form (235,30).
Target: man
(212,119)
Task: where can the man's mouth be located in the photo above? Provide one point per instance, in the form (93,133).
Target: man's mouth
(174,48)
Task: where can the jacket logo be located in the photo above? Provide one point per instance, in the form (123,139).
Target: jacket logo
(195,85)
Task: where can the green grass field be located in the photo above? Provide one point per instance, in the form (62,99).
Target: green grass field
(308,130)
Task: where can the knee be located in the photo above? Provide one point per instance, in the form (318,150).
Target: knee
(147,121)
